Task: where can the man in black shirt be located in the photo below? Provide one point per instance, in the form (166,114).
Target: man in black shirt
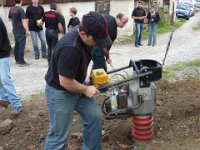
(34,13)
(74,21)
(138,15)
(53,24)
(20,29)
(99,53)
(65,91)
(8,93)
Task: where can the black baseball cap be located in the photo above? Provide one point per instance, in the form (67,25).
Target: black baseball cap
(95,24)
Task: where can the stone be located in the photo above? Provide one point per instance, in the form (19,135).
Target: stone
(6,126)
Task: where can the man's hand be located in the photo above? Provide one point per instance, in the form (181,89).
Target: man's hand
(141,18)
(28,33)
(91,91)
(109,61)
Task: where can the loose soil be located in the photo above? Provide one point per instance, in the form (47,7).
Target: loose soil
(176,121)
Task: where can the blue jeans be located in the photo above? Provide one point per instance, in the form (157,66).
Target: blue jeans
(52,40)
(152,33)
(7,89)
(138,35)
(61,106)
(35,43)
(98,58)
(20,44)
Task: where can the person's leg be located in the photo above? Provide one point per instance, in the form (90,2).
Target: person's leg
(48,45)
(150,34)
(155,27)
(137,34)
(22,45)
(7,85)
(98,58)
(91,118)
(16,48)
(43,42)
(35,44)
(140,35)
(61,106)
(54,41)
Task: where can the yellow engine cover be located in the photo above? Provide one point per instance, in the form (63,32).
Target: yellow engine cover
(99,78)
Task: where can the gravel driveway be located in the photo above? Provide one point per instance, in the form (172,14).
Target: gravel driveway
(184,46)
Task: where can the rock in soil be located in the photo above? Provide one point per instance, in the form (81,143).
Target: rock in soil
(6,126)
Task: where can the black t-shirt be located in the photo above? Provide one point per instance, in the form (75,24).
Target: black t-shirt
(70,59)
(5,47)
(17,14)
(51,19)
(112,27)
(73,22)
(33,14)
(138,12)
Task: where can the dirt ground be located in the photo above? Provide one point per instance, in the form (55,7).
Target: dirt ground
(177,123)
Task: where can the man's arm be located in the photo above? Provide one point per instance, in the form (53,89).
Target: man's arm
(107,55)
(9,16)
(25,25)
(2,34)
(73,86)
(60,27)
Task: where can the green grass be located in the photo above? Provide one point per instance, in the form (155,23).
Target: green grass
(163,27)
(182,71)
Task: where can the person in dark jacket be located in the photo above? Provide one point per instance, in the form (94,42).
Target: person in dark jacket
(138,15)
(53,24)
(20,30)
(153,18)
(8,94)
(59,11)
(34,13)
(101,55)
(65,89)
(74,21)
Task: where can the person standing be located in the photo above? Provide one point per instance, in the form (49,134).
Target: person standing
(65,89)
(138,15)
(101,55)
(20,30)
(34,13)
(59,11)
(74,21)
(53,25)
(8,93)
(153,18)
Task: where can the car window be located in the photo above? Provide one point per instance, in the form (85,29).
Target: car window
(183,7)
(189,4)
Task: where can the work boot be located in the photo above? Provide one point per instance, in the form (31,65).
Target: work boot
(23,64)
(45,56)
(4,103)
(37,56)
(140,44)
(16,111)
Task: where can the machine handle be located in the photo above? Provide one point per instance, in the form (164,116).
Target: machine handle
(131,64)
(126,80)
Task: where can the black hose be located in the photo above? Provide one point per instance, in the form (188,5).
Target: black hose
(116,114)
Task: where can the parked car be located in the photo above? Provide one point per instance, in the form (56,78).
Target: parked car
(197,4)
(183,10)
(192,8)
